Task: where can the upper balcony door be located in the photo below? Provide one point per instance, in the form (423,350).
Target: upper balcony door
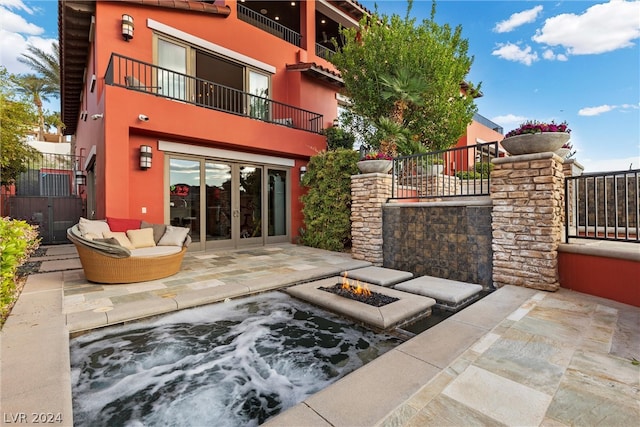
(173,57)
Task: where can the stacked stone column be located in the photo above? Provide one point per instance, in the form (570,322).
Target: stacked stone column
(368,193)
(527,194)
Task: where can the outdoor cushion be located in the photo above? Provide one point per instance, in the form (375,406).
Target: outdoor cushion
(142,238)
(92,236)
(123,224)
(158,230)
(155,251)
(120,236)
(87,226)
(174,236)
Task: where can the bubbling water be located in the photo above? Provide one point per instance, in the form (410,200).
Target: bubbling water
(228,364)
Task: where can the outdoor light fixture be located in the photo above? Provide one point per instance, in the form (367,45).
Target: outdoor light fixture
(145,157)
(127,27)
(81,179)
(303,170)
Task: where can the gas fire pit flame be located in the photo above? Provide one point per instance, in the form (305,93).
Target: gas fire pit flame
(358,289)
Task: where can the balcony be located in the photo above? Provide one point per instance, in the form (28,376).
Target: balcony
(324,52)
(260,20)
(153,80)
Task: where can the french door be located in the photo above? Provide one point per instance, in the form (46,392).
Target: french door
(242,204)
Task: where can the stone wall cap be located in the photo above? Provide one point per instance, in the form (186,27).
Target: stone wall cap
(527,158)
(621,250)
(467,201)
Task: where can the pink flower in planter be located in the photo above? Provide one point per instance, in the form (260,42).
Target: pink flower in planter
(534,126)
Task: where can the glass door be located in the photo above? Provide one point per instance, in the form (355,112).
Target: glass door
(184,195)
(249,207)
(242,203)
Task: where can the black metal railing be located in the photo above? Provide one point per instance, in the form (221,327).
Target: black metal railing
(324,52)
(144,77)
(257,20)
(462,171)
(488,123)
(603,206)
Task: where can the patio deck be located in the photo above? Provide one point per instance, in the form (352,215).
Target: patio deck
(517,357)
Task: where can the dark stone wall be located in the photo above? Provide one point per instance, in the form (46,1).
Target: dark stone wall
(452,242)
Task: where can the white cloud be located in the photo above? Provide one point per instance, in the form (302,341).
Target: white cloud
(16,4)
(517,19)
(14,23)
(596,111)
(513,52)
(549,55)
(601,28)
(509,120)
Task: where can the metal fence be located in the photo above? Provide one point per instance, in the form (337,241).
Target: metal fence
(462,171)
(603,206)
(144,77)
(48,194)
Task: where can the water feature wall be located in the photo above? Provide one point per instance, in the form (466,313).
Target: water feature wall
(443,239)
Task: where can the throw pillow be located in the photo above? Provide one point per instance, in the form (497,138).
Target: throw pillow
(87,226)
(158,230)
(123,224)
(92,236)
(142,238)
(174,236)
(111,241)
(120,236)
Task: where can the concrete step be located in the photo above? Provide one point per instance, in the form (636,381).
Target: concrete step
(378,275)
(450,295)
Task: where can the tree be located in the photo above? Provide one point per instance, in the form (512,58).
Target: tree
(17,118)
(387,60)
(46,65)
(38,90)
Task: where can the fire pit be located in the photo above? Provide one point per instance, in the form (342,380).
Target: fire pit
(406,308)
(359,292)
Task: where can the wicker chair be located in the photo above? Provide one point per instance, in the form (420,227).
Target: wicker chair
(108,263)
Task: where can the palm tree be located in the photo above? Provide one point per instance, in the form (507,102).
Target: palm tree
(403,89)
(47,65)
(38,90)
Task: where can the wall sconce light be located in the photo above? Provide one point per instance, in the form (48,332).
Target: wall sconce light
(127,27)
(336,122)
(81,179)
(303,170)
(145,157)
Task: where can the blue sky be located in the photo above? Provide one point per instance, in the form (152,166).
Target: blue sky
(577,61)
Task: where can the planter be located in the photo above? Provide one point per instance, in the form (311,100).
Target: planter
(375,166)
(530,143)
(563,152)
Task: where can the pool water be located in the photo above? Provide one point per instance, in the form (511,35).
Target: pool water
(228,364)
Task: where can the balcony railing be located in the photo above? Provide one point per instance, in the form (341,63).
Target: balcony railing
(462,171)
(324,52)
(257,20)
(488,123)
(148,78)
(603,206)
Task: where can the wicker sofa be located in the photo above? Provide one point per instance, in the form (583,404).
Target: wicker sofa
(105,260)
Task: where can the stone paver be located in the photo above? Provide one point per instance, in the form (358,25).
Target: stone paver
(378,275)
(516,357)
(449,294)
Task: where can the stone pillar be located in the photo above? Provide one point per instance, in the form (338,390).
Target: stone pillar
(527,194)
(571,168)
(368,193)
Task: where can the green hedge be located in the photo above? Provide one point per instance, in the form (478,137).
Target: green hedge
(327,203)
(18,240)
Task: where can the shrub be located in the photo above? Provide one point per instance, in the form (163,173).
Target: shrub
(327,204)
(339,138)
(18,240)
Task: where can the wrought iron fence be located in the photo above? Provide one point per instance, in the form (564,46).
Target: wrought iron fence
(324,52)
(257,20)
(462,171)
(144,77)
(603,206)
(47,194)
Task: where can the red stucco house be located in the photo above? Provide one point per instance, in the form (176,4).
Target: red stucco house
(201,113)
